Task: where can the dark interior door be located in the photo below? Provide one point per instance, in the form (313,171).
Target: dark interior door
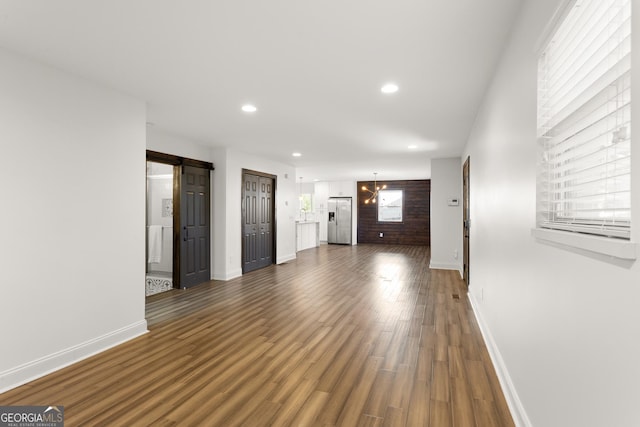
(257,222)
(466,220)
(195,258)
(265,252)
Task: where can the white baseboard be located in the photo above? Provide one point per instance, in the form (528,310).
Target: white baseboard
(227,276)
(238,272)
(38,368)
(443,265)
(518,413)
(286,258)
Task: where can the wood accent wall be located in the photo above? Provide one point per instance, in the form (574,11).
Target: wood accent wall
(415,227)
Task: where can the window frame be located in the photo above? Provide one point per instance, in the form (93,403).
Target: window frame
(614,246)
(380,206)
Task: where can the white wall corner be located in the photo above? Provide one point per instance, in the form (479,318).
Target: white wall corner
(518,412)
(38,368)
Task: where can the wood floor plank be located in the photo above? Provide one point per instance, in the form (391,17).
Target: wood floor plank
(378,399)
(253,398)
(500,403)
(353,408)
(487,415)
(425,365)
(342,335)
(456,363)
(333,373)
(480,387)
(395,417)
(440,382)
(462,409)
(310,410)
(441,353)
(344,385)
(418,411)
(369,421)
(401,387)
(440,413)
(294,402)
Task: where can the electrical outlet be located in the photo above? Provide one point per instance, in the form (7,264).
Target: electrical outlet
(455,254)
(381,234)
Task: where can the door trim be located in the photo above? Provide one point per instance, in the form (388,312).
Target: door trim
(177,162)
(171,159)
(466,217)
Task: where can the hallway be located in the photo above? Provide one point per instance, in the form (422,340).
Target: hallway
(343,335)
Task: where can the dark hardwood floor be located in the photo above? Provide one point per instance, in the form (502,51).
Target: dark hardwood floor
(344,335)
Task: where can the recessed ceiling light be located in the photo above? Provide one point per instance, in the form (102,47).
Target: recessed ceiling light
(248,108)
(389,88)
(296,154)
(412,147)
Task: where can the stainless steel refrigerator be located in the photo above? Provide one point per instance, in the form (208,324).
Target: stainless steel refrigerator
(339,227)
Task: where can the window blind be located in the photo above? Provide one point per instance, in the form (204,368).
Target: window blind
(584,126)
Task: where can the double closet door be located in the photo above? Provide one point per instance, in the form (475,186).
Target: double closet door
(257,220)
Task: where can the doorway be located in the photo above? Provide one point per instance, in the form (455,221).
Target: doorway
(178,221)
(159,231)
(258,226)
(466,220)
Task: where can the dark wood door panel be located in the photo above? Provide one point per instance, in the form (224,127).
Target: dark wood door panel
(257,213)
(195,227)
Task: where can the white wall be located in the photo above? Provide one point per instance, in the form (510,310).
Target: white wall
(167,143)
(219,252)
(73,185)
(563,325)
(446,221)
(320,199)
(228,259)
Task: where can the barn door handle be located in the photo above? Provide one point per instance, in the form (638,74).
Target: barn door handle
(186,233)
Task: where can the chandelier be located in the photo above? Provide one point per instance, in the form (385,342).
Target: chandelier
(373,195)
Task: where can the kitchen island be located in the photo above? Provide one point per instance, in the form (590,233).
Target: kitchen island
(307,235)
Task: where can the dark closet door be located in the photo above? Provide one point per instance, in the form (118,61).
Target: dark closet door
(257,222)
(250,222)
(194,228)
(265,242)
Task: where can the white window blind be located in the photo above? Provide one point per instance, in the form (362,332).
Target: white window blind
(584,132)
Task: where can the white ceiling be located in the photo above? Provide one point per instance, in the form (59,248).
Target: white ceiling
(313,68)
